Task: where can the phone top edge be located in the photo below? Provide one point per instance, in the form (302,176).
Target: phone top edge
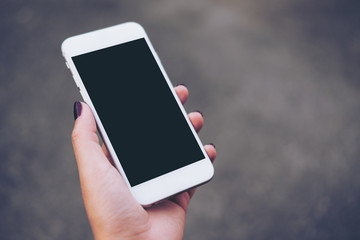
(115,31)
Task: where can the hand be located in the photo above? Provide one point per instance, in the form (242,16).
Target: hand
(112,211)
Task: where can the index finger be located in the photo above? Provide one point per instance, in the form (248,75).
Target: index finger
(182,92)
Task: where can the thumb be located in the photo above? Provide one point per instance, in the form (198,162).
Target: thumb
(108,201)
(90,157)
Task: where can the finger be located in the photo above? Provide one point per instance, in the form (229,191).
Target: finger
(197,120)
(90,157)
(182,200)
(182,93)
(104,192)
(192,192)
(211,152)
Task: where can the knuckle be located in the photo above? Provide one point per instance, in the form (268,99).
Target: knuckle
(75,136)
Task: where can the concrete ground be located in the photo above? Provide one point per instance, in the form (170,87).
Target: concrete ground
(278,83)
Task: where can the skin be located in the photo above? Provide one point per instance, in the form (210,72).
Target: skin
(112,211)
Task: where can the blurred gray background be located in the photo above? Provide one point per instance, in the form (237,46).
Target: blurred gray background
(278,83)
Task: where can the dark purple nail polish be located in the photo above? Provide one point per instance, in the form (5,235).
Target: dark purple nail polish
(212,145)
(77,109)
(200,112)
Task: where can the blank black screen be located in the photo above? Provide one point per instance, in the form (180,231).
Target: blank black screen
(138,111)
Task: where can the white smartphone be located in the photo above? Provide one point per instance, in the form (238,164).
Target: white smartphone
(142,121)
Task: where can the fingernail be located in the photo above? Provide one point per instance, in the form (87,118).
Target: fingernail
(182,84)
(212,144)
(77,109)
(200,112)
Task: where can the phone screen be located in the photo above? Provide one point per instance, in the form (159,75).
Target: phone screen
(138,110)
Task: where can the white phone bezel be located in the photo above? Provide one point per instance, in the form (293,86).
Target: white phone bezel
(165,185)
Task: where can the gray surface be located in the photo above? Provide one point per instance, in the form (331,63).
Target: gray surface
(278,83)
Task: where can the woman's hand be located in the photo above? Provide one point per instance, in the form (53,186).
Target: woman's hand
(112,211)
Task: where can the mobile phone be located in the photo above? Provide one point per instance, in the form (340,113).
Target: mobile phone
(141,120)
